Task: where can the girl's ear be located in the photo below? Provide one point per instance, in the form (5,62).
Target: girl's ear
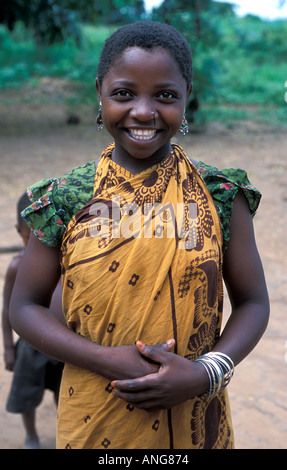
(98,88)
(188,93)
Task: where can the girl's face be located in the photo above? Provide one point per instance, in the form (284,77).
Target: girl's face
(143,99)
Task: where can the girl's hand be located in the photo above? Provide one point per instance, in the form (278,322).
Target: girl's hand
(176,380)
(129,362)
(9,357)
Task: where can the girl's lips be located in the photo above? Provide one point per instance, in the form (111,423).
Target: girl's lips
(142,134)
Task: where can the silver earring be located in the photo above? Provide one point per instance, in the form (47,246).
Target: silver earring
(100,121)
(184,125)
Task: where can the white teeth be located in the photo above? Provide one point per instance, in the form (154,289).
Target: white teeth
(142,134)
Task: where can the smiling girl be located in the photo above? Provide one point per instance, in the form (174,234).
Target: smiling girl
(142,327)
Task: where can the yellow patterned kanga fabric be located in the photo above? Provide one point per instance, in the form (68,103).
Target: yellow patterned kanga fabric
(136,266)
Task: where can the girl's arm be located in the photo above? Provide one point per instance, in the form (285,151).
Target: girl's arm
(245,281)
(8,342)
(179,379)
(31,318)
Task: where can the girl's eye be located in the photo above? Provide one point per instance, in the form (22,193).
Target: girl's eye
(166,95)
(122,94)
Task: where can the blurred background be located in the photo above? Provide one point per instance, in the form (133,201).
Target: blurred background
(49,50)
(239,61)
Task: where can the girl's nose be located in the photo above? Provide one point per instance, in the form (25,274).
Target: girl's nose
(143,111)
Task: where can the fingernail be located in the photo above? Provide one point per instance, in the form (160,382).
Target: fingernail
(140,344)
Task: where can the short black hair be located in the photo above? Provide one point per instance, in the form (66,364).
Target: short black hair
(147,35)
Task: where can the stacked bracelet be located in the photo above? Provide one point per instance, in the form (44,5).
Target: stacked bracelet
(220,369)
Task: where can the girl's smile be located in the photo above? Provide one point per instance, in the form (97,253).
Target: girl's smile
(142,134)
(143,100)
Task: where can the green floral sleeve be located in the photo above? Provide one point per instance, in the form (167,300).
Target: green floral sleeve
(223,186)
(54,202)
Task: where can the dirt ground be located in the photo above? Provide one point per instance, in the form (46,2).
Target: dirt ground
(36,142)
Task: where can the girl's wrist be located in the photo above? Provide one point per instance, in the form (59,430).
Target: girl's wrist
(201,382)
(219,368)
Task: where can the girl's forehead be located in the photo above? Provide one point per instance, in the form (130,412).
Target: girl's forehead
(155,53)
(136,59)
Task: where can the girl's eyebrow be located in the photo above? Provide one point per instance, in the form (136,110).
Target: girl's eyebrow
(167,85)
(127,83)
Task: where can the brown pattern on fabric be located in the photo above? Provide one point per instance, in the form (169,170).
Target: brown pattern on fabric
(210,417)
(106,443)
(199,342)
(193,193)
(206,262)
(153,188)
(146,196)
(205,334)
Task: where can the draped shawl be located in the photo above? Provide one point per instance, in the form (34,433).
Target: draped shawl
(143,260)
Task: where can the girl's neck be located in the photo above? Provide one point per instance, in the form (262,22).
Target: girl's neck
(135,165)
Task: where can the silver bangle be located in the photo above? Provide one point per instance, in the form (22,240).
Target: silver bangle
(208,393)
(220,370)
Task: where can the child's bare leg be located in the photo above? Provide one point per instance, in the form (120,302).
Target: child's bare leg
(31,440)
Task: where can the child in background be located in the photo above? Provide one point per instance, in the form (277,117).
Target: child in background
(33,371)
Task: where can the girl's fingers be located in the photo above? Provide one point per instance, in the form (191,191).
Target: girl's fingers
(133,398)
(135,385)
(155,351)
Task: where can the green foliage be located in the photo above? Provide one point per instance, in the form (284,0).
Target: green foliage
(50,20)
(252,60)
(54,20)
(25,61)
